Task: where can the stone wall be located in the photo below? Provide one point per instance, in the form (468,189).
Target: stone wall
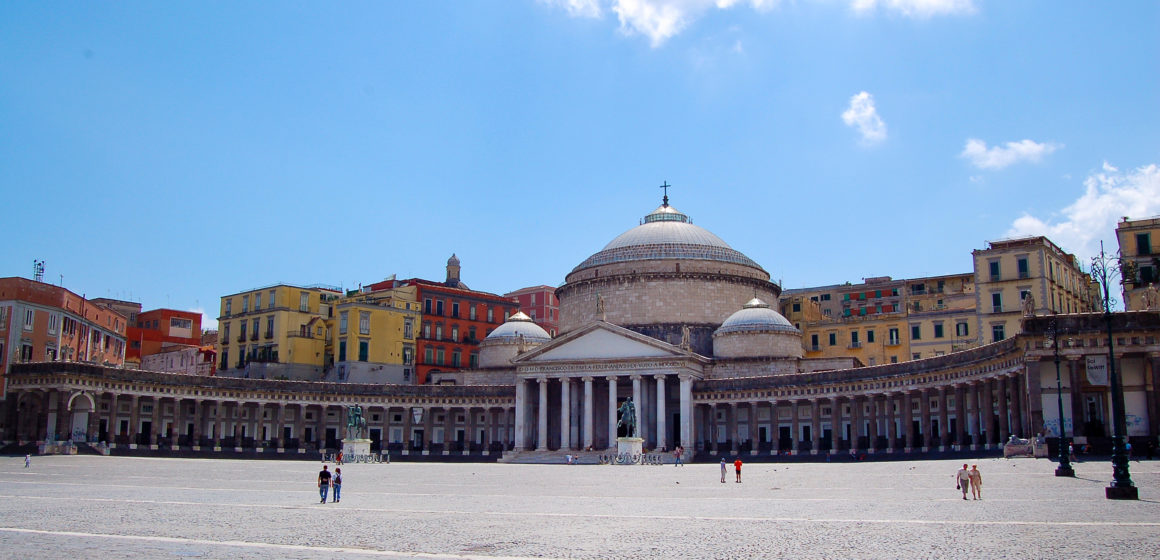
(644,298)
(756,367)
(757,344)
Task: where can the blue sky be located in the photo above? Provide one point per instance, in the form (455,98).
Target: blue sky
(172,153)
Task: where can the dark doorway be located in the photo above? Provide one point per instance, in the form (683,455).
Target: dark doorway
(332,438)
(784,438)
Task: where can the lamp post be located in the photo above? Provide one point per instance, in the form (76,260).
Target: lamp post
(1121,487)
(1064,468)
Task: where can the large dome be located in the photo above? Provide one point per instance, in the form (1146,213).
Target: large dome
(666,233)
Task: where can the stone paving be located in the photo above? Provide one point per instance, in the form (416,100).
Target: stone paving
(117,507)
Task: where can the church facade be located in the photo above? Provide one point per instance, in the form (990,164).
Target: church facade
(669,316)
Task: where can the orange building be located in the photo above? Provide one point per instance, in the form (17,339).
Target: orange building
(160,329)
(455,319)
(42,323)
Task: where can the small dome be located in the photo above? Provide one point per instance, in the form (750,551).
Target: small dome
(453,261)
(516,325)
(756,316)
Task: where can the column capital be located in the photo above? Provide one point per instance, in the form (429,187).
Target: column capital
(542,379)
(565,380)
(586,379)
(635,377)
(660,376)
(611,378)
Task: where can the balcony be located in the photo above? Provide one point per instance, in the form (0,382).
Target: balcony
(242,337)
(894,342)
(814,348)
(854,345)
(254,336)
(269,335)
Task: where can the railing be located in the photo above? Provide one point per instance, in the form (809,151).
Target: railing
(894,342)
(269,335)
(241,338)
(855,345)
(254,336)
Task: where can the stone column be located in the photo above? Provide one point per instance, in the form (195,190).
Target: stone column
(1015,388)
(924,422)
(1004,409)
(774,433)
(428,428)
(908,420)
(637,401)
(542,427)
(612,412)
(794,418)
(469,435)
(835,424)
(891,424)
(662,425)
(734,433)
(856,414)
(408,418)
(280,427)
(989,410)
(565,413)
(198,421)
(155,422)
(134,416)
(944,424)
(521,414)
(872,442)
(816,429)
(960,415)
(588,418)
(687,413)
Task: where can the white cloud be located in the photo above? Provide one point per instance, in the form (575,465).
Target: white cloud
(578,8)
(916,8)
(208,322)
(999,157)
(1108,196)
(863,115)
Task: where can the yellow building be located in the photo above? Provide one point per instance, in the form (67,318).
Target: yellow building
(278,331)
(374,336)
(1018,277)
(1136,238)
(884,320)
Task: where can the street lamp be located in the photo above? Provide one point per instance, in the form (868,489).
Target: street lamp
(1064,468)
(1121,488)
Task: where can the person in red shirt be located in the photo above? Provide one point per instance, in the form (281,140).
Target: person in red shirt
(737,468)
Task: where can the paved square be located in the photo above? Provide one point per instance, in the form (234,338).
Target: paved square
(108,507)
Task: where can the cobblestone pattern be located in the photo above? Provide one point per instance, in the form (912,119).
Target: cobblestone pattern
(112,507)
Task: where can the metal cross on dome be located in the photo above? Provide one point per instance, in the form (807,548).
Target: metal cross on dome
(666,186)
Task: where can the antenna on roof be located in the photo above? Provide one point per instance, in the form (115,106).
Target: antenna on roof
(38,270)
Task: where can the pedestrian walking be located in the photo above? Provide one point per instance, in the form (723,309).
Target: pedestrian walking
(677,453)
(737,468)
(338,459)
(27,460)
(963,480)
(337,483)
(723,470)
(976,478)
(323,483)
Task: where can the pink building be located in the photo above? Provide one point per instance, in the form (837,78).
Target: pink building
(539,303)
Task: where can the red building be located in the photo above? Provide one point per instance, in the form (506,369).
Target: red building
(43,323)
(539,303)
(159,329)
(455,320)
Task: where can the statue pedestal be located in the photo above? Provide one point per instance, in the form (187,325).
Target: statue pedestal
(629,446)
(353,447)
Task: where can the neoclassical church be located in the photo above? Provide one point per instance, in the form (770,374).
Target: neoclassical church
(666,314)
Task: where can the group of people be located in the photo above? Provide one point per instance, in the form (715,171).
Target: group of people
(326,481)
(736,469)
(970,481)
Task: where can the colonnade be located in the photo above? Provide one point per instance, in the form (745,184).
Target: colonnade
(969,414)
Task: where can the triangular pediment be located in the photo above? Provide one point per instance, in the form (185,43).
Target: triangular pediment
(602,341)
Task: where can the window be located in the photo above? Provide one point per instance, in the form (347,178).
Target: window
(254,325)
(1147,275)
(997,302)
(870,337)
(797,307)
(471,333)
(179,323)
(961,329)
(938,330)
(892,334)
(426,330)
(490,315)
(854,343)
(225,334)
(342,350)
(455,358)
(994,270)
(894,359)
(229,304)
(916,356)
(825,297)
(270,300)
(270,326)
(242,330)
(438,332)
(833,339)
(813,341)
(245,303)
(916,332)
(29,318)
(471,312)
(439,307)
(455,333)
(428,356)
(342,322)
(26,352)
(997,333)
(53,322)
(1024,270)
(1143,244)
(363,349)
(455,309)
(364,322)
(408,328)
(304,301)
(257,301)
(427,306)
(506,315)
(439,356)
(474,360)
(408,355)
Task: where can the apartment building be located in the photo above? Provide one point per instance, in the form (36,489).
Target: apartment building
(278,331)
(540,304)
(1139,242)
